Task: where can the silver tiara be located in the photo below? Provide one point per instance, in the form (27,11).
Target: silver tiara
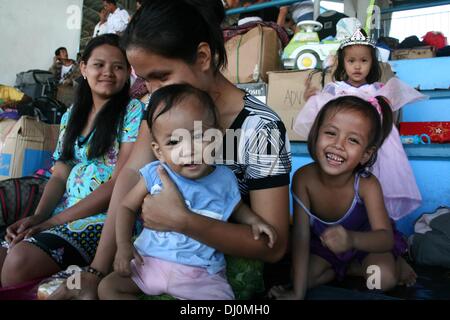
(357,38)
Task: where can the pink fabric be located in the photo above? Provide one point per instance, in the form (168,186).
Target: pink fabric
(158,276)
(401,194)
(25,291)
(373,101)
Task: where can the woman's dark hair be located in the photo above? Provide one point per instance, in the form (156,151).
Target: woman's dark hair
(174,29)
(381,125)
(374,73)
(169,96)
(108,121)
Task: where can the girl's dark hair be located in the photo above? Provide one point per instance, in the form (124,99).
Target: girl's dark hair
(108,121)
(374,73)
(171,95)
(381,126)
(174,29)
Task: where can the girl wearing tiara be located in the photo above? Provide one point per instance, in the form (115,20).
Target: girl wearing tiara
(357,74)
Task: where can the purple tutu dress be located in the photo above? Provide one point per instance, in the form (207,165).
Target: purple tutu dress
(400,191)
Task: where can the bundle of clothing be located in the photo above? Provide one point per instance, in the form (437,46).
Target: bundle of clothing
(430,244)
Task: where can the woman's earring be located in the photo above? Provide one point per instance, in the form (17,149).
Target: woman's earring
(84,77)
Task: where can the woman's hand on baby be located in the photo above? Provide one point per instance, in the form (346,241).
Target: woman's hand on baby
(337,239)
(125,253)
(165,211)
(261,227)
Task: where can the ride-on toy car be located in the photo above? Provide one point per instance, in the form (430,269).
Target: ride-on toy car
(305,51)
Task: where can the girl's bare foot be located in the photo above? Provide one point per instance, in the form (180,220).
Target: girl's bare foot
(407,275)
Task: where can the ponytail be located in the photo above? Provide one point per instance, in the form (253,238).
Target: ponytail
(386,119)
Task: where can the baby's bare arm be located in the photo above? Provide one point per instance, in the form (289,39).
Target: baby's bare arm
(126,212)
(243,214)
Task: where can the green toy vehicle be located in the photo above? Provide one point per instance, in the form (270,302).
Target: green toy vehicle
(305,51)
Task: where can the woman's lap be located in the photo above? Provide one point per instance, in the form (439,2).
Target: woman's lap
(73,243)
(24,262)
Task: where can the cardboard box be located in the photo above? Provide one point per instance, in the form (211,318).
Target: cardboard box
(252,54)
(414,53)
(5,127)
(27,147)
(285,95)
(259,90)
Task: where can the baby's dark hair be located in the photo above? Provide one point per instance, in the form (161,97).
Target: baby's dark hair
(381,126)
(171,95)
(375,70)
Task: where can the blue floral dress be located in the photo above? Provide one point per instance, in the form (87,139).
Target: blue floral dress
(75,243)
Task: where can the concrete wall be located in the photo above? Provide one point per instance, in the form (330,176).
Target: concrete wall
(31,30)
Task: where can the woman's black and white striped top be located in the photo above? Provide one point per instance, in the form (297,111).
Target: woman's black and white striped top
(256,148)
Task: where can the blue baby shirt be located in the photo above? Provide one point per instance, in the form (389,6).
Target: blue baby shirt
(214,196)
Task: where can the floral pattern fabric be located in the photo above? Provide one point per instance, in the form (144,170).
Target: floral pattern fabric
(86,175)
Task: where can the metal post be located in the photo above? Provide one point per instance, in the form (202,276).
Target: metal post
(316,9)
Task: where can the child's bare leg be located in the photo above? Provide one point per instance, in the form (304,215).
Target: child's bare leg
(387,267)
(356,269)
(406,274)
(3,252)
(319,271)
(116,287)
